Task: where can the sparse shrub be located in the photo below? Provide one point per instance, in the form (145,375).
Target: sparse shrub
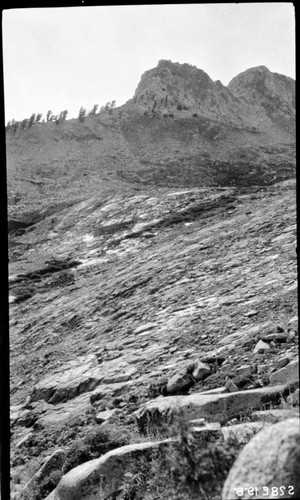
(38,117)
(95,443)
(190,470)
(49,113)
(24,123)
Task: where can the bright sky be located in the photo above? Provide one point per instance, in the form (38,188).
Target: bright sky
(68,57)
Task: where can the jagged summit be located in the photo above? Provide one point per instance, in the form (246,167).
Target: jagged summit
(255,97)
(172,86)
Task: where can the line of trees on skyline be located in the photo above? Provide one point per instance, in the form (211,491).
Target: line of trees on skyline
(13,125)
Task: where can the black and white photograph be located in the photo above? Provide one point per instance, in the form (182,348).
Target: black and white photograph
(150,159)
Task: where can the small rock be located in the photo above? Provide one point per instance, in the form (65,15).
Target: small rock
(242,433)
(230,386)
(206,433)
(261,347)
(201,371)
(291,336)
(179,382)
(276,337)
(243,369)
(288,373)
(103,416)
(251,313)
(281,363)
(26,418)
(262,369)
(144,328)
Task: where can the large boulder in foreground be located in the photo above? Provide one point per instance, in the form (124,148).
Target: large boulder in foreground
(103,476)
(213,407)
(270,463)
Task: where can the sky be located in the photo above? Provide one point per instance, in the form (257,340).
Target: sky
(66,57)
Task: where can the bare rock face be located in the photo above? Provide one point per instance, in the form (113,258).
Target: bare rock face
(270,463)
(272,92)
(157,412)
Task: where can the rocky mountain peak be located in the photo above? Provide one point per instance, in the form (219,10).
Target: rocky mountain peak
(173,86)
(273,92)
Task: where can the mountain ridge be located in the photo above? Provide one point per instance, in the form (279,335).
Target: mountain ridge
(180,129)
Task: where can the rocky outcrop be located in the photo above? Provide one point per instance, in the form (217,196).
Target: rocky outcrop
(268,466)
(273,93)
(103,476)
(159,411)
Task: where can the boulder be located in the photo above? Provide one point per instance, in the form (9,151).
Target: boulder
(201,371)
(104,416)
(103,476)
(205,433)
(276,337)
(261,347)
(270,462)
(213,407)
(243,369)
(179,382)
(287,374)
(242,433)
(230,386)
(281,363)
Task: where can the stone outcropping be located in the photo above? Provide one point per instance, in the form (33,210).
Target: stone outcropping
(101,477)
(163,410)
(269,463)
